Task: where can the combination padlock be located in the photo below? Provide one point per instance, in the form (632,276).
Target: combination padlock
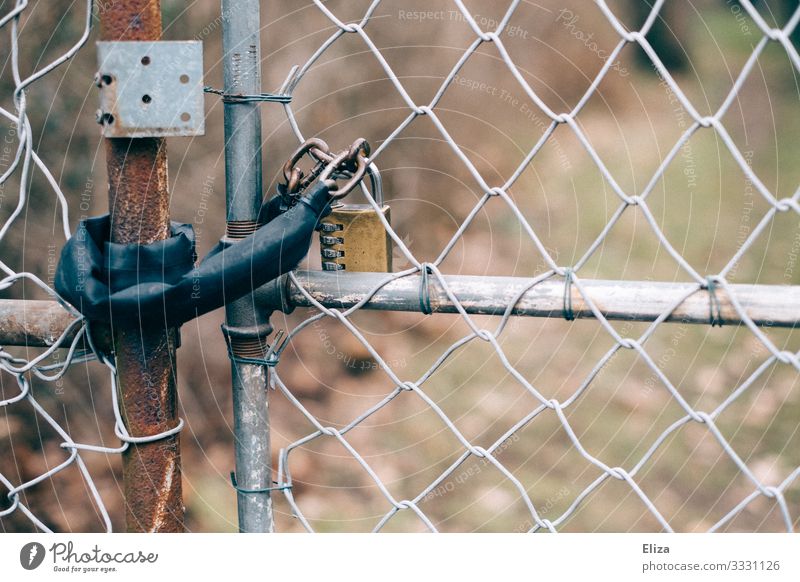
(352,236)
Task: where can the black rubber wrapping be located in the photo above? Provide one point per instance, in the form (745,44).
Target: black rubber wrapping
(159,283)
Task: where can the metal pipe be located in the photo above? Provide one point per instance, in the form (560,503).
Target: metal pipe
(245,327)
(40,323)
(33,323)
(138,198)
(767,305)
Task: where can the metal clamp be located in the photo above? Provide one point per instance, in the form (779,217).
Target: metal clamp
(150,89)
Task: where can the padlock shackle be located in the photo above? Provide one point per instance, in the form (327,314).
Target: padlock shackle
(376,182)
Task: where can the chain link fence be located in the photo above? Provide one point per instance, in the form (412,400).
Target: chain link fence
(575,287)
(547,506)
(24,161)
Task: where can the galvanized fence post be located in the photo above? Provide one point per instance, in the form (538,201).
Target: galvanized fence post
(145,355)
(246,329)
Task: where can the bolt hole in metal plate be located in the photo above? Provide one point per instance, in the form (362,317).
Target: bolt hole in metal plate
(151,89)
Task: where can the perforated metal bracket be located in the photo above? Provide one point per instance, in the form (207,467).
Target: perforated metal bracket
(150,89)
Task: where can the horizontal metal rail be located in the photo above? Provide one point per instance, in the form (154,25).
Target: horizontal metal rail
(40,323)
(766,305)
(33,323)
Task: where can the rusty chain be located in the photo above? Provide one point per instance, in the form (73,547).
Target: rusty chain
(350,164)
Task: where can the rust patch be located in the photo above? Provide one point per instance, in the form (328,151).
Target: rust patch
(130,20)
(138,191)
(138,197)
(33,323)
(152,476)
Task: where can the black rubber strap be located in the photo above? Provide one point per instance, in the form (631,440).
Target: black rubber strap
(159,283)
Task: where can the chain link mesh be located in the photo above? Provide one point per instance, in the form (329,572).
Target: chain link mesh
(499,194)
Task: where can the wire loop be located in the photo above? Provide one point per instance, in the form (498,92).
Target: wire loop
(566,310)
(714,304)
(424,289)
(277,487)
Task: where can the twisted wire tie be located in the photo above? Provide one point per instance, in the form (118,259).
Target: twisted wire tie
(256,98)
(424,290)
(566,310)
(714,304)
(270,359)
(277,487)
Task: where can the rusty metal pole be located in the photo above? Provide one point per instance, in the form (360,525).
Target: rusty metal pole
(138,198)
(246,327)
